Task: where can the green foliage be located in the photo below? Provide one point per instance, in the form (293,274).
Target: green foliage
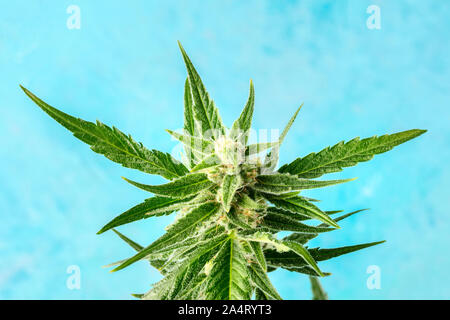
(317,290)
(230,204)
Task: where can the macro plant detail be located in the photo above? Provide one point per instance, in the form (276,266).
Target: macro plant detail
(230,200)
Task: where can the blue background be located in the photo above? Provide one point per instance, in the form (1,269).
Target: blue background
(124,68)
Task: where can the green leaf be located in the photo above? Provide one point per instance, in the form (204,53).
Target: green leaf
(204,109)
(260,295)
(208,162)
(302,206)
(302,252)
(333,159)
(271,159)
(259,147)
(156,206)
(325,254)
(246,202)
(284,246)
(317,290)
(237,219)
(279,183)
(130,242)
(260,279)
(176,283)
(241,127)
(257,251)
(228,279)
(179,231)
(277,221)
(115,145)
(200,145)
(229,186)
(190,125)
(292,215)
(185,186)
(288,260)
(306,270)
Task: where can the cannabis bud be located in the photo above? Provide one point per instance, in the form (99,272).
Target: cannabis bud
(230,204)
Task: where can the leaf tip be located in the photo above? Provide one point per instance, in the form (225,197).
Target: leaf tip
(421,131)
(27,92)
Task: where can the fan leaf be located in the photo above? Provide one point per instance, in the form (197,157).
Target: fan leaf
(179,231)
(114,144)
(333,159)
(241,127)
(155,206)
(204,108)
(283,183)
(228,279)
(185,186)
(229,186)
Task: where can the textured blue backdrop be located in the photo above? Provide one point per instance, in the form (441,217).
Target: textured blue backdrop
(124,68)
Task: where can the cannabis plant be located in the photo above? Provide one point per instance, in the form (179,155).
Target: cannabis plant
(230,198)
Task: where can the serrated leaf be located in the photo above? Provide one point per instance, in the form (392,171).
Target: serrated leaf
(293,215)
(306,270)
(277,221)
(290,260)
(237,219)
(259,147)
(246,202)
(257,251)
(190,125)
(192,263)
(283,246)
(283,183)
(260,279)
(130,242)
(180,188)
(206,163)
(155,206)
(302,252)
(180,230)
(228,279)
(302,206)
(114,144)
(205,110)
(333,159)
(241,127)
(260,295)
(228,188)
(271,159)
(200,145)
(325,254)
